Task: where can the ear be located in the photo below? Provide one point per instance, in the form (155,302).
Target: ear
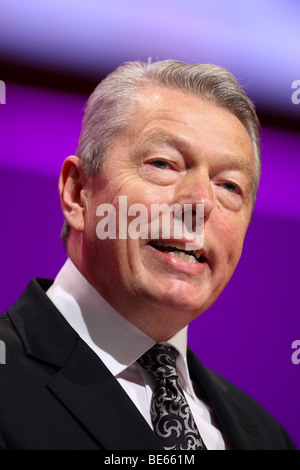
(70,187)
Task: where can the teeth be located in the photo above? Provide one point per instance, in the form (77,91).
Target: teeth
(180,246)
(183,256)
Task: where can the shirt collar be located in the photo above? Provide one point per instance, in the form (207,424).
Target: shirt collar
(112,337)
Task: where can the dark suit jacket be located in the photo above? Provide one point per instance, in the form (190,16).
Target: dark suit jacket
(55,393)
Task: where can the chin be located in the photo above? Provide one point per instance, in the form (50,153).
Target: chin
(178,299)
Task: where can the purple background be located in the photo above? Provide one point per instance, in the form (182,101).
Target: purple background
(52,46)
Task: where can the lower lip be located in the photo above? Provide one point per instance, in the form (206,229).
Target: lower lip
(177,263)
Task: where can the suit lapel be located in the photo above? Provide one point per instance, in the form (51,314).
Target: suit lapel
(82,383)
(91,393)
(237,426)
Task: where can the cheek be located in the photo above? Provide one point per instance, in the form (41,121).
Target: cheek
(148,194)
(235,246)
(231,236)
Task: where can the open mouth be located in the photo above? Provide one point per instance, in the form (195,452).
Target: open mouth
(179,250)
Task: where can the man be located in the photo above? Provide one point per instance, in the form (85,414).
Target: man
(77,376)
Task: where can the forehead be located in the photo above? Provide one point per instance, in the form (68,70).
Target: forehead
(158,103)
(173,117)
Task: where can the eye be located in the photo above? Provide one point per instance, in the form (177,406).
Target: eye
(161,164)
(232,188)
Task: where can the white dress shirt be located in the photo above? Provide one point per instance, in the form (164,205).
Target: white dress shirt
(119,343)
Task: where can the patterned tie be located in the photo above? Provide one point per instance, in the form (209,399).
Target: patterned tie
(171,416)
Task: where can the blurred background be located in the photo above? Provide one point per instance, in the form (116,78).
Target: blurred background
(52,55)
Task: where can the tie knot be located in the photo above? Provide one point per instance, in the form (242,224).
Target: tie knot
(160,361)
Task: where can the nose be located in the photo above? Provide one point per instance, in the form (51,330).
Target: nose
(195,188)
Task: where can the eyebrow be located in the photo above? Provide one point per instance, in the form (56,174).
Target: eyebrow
(158,137)
(235,163)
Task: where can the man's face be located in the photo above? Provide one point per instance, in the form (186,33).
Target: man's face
(177,149)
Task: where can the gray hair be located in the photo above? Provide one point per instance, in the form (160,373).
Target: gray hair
(111,105)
